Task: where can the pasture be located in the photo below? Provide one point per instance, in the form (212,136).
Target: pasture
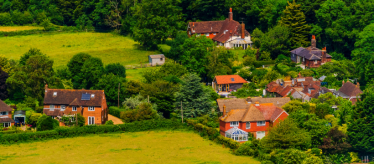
(109,47)
(19,28)
(139,147)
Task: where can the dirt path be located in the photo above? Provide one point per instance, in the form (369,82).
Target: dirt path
(115,119)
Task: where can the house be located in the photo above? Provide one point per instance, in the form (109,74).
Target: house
(310,57)
(228,32)
(227,83)
(256,119)
(155,60)
(20,116)
(6,115)
(244,103)
(349,91)
(91,104)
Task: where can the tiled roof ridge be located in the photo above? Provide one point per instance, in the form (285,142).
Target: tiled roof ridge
(74,89)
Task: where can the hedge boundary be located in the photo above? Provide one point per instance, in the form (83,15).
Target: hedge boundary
(65,132)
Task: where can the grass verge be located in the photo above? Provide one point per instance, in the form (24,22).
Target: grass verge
(19,28)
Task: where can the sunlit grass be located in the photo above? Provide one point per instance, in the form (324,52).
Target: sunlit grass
(19,28)
(139,147)
(136,74)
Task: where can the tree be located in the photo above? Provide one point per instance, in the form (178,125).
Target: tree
(294,19)
(114,17)
(194,100)
(176,48)
(75,66)
(46,123)
(156,21)
(360,129)
(116,69)
(168,71)
(109,83)
(91,72)
(296,105)
(248,90)
(28,54)
(133,88)
(286,135)
(335,142)
(3,85)
(219,62)
(143,112)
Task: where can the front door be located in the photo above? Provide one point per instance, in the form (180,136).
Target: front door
(260,134)
(91,120)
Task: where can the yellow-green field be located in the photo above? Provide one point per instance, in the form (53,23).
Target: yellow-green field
(61,47)
(136,74)
(139,147)
(19,28)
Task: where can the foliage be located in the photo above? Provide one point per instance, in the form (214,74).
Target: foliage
(117,69)
(176,46)
(91,72)
(143,111)
(3,86)
(109,83)
(289,156)
(169,71)
(286,135)
(247,90)
(110,122)
(194,100)
(75,66)
(133,87)
(336,142)
(296,105)
(339,69)
(219,62)
(32,118)
(115,111)
(46,123)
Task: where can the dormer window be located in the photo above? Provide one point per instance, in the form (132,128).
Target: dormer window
(92,95)
(54,93)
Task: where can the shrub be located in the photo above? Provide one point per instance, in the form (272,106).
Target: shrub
(258,64)
(110,122)
(143,112)
(46,123)
(312,160)
(115,111)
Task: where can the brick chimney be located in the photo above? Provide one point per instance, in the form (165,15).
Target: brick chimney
(342,82)
(230,15)
(358,84)
(224,110)
(243,30)
(323,54)
(257,103)
(46,87)
(314,42)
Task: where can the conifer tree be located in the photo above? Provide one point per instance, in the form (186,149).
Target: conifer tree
(294,19)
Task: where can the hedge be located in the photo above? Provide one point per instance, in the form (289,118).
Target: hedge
(64,132)
(115,111)
(213,134)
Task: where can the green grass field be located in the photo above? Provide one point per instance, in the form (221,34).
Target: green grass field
(61,47)
(139,147)
(136,74)
(19,28)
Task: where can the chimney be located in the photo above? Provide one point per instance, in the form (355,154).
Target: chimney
(46,87)
(224,110)
(314,42)
(358,84)
(324,55)
(230,15)
(193,26)
(342,82)
(243,30)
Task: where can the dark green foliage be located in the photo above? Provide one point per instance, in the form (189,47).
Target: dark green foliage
(28,54)
(219,62)
(248,90)
(335,142)
(342,69)
(170,71)
(109,83)
(91,72)
(323,109)
(133,87)
(288,156)
(176,46)
(75,66)
(46,123)
(276,41)
(3,86)
(115,111)
(117,69)
(110,122)
(143,112)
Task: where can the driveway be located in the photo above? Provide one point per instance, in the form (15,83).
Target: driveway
(115,119)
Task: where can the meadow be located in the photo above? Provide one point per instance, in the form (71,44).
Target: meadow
(140,147)
(19,28)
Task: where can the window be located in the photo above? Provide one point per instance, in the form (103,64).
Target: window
(92,95)
(206,34)
(189,32)
(261,123)
(6,124)
(235,123)
(260,134)
(63,107)
(54,93)
(248,125)
(3,113)
(72,118)
(91,120)
(53,117)
(91,108)
(214,33)
(51,107)
(74,108)
(160,59)
(315,61)
(303,59)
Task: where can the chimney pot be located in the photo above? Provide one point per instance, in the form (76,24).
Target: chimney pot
(313,42)
(243,30)
(46,87)
(230,15)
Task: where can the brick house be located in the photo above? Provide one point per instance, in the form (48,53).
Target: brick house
(311,57)
(244,103)
(91,104)
(256,119)
(227,83)
(228,32)
(5,115)
(349,91)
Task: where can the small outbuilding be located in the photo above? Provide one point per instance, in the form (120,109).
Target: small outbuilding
(155,60)
(20,116)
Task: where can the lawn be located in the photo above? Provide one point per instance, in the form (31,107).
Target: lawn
(19,28)
(109,47)
(136,74)
(139,147)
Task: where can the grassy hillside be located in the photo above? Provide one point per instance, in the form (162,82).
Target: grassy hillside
(139,147)
(61,47)
(19,28)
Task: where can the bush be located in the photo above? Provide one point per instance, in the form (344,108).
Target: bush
(46,123)
(115,111)
(6,19)
(142,112)
(110,122)
(258,64)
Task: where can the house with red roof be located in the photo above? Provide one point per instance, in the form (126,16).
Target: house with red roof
(256,119)
(349,91)
(228,32)
(227,83)
(6,115)
(91,104)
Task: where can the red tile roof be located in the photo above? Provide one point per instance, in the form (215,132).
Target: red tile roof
(285,91)
(206,26)
(73,97)
(350,89)
(4,107)
(256,112)
(229,79)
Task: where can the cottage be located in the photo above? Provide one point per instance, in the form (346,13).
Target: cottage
(91,104)
(256,119)
(349,91)
(310,57)
(6,115)
(227,83)
(244,103)
(228,33)
(155,60)
(20,116)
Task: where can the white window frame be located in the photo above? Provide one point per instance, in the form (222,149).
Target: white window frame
(190,32)
(92,95)
(63,107)
(248,125)
(72,119)
(91,120)
(51,107)
(206,34)
(53,117)
(261,123)
(54,93)
(7,123)
(214,33)
(74,108)
(315,61)
(234,124)
(91,108)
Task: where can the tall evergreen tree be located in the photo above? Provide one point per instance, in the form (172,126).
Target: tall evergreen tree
(294,19)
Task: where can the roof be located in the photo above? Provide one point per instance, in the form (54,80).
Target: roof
(227,27)
(6,119)
(309,53)
(232,104)
(55,112)
(256,112)
(285,91)
(322,78)
(206,26)
(73,97)
(341,94)
(4,107)
(277,101)
(21,112)
(236,130)
(229,79)
(241,41)
(157,56)
(350,89)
